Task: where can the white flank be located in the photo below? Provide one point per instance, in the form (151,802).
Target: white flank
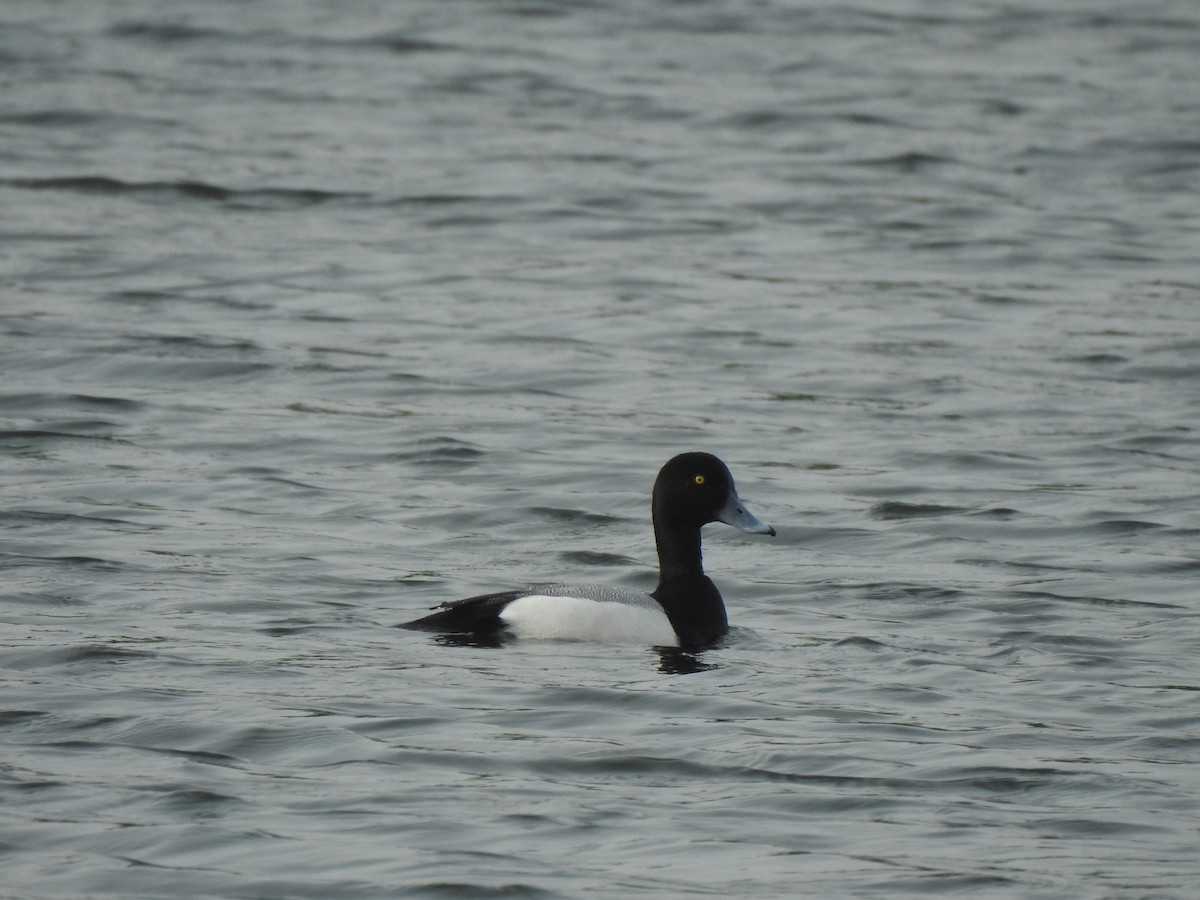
(539,617)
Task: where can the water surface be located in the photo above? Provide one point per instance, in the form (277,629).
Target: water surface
(313,316)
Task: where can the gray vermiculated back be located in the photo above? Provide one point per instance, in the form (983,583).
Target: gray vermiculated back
(604,593)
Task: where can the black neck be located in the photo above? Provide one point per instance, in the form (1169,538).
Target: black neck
(678,551)
(694,607)
(690,600)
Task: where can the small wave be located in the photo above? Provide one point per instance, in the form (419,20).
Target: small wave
(166,32)
(905,162)
(25,517)
(574,516)
(42,402)
(278,198)
(28,437)
(894,509)
(1125,526)
(596,558)
(1095,601)
(196,800)
(440,451)
(69,656)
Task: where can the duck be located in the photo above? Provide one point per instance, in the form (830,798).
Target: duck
(685,610)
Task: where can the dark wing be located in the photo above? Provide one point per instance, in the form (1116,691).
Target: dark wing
(475,615)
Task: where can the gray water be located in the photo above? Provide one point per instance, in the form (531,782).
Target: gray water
(314,315)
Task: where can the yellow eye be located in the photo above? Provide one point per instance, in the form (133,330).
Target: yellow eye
(699,479)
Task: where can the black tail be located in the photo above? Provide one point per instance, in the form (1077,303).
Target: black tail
(475,615)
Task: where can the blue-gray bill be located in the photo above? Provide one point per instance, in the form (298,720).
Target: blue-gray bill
(736,514)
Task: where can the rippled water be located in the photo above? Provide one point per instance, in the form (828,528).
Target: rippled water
(314,315)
